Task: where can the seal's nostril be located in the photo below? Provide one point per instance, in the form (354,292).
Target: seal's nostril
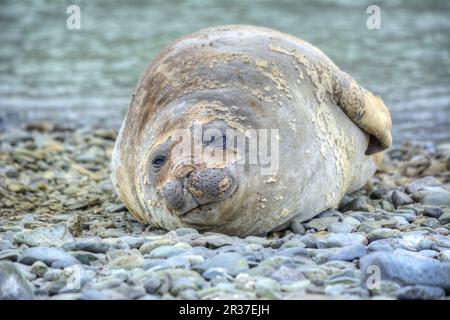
(183,170)
(173,193)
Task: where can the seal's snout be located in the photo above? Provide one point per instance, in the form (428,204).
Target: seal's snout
(211,185)
(199,188)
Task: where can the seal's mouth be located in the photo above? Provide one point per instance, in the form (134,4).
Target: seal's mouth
(196,210)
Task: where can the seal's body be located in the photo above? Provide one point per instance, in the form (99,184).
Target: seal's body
(331,133)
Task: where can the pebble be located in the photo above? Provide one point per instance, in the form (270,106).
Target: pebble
(49,256)
(151,245)
(437,199)
(419,184)
(10,254)
(321,224)
(297,227)
(164,252)
(185,231)
(419,292)
(86,257)
(132,241)
(233,262)
(152,284)
(383,233)
(286,274)
(407,269)
(358,204)
(401,199)
(39,268)
(90,245)
(345,239)
(127,262)
(340,227)
(215,272)
(433,212)
(53,236)
(349,253)
(216,240)
(267,288)
(445,217)
(355,223)
(13,285)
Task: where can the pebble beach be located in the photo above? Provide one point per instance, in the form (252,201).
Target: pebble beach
(65,235)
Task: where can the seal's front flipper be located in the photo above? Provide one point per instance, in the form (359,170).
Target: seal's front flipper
(367,111)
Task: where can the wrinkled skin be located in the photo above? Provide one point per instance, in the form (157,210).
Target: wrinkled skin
(331,133)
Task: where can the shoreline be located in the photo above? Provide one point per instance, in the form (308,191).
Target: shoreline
(65,235)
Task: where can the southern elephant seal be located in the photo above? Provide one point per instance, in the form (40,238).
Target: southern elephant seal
(327,131)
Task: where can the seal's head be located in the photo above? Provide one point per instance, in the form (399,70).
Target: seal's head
(193,172)
(189,172)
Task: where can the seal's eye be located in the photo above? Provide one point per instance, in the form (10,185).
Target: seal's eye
(158,161)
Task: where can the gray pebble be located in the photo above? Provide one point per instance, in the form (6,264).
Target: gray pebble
(349,253)
(297,227)
(407,269)
(86,257)
(232,262)
(383,233)
(287,274)
(445,217)
(419,184)
(433,212)
(47,255)
(56,235)
(340,227)
(90,245)
(39,268)
(185,231)
(164,252)
(321,224)
(13,285)
(358,204)
(345,239)
(152,284)
(10,254)
(400,199)
(419,292)
(437,199)
(213,273)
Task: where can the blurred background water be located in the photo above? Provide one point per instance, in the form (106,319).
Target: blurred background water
(50,72)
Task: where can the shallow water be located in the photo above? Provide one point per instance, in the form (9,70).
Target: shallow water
(50,72)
